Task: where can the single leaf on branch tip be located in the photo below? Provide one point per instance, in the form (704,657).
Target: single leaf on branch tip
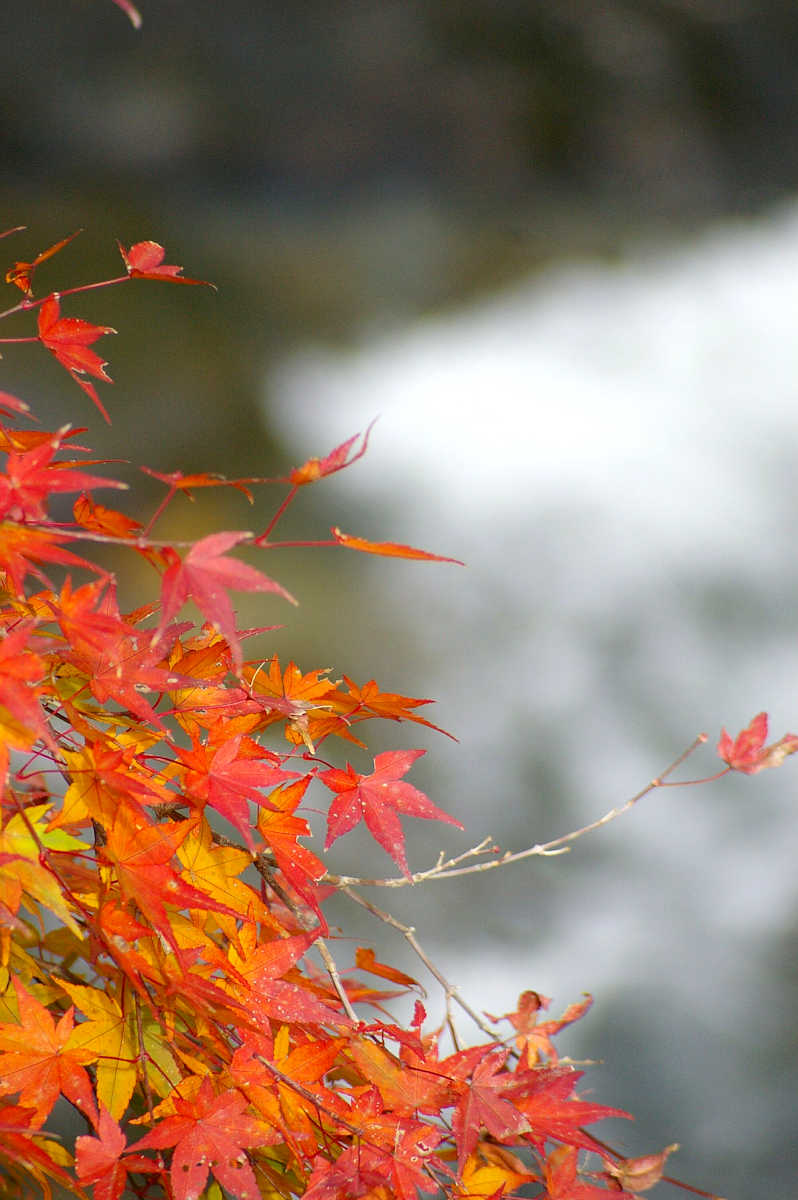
(144,260)
(21,274)
(377,799)
(748,752)
(639,1174)
(316,468)
(388,549)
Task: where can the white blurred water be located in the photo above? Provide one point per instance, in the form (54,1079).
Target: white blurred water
(614,452)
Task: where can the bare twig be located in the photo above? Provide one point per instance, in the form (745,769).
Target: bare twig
(409,933)
(450,868)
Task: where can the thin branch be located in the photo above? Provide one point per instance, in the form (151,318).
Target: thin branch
(409,933)
(450,868)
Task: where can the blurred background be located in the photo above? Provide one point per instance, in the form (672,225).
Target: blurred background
(555,248)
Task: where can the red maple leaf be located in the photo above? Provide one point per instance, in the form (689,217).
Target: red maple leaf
(104,1161)
(145,260)
(31,476)
(564,1183)
(281,828)
(387,549)
(205,575)
(545,1097)
(119,661)
(230,775)
(479,1079)
(69,338)
(21,673)
(749,754)
(376,799)
(209,1133)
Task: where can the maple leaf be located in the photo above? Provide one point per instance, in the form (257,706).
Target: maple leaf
(534,1037)
(35,1061)
(68,339)
(205,574)
(31,477)
(209,1133)
(103,520)
(749,754)
(273,997)
(545,1097)
(563,1181)
(639,1174)
(376,799)
(99,1160)
(21,274)
(281,829)
(229,776)
(22,546)
(142,851)
(336,460)
(413,1084)
(178,482)
(120,663)
(368,701)
(302,701)
(387,549)
(22,671)
(24,1153)
(479,1078)
(145,261)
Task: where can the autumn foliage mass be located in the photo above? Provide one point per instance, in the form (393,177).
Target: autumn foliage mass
(166,966)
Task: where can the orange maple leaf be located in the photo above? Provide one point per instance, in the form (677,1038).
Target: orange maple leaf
(21,274)
(35,1062)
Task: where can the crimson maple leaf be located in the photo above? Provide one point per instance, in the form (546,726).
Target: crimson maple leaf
(564,1183)
(104,1161)
(281,829)
(31,476)
(376,799)
(749,754)
(205,575)
(545,1096)
(145,260)
(229,776)
(479,1078)
(208,1133)
(69,338)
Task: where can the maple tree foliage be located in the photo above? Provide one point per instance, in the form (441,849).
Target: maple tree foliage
(164,958)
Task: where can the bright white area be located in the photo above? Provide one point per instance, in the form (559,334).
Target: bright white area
(614,451)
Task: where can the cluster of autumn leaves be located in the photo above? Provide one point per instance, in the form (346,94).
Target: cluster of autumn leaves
(159,910)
